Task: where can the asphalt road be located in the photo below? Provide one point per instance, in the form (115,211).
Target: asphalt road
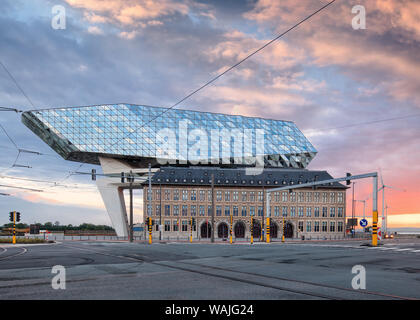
(117,270)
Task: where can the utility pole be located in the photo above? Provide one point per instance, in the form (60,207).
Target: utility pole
(262,217)
(14,227)
(212,207)
(160,213)
(268,218)
(230,231)
(282,236)
(252,229)
(352,213)
(131,178)
(149,198)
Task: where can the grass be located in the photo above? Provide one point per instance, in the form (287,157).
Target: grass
(23,240)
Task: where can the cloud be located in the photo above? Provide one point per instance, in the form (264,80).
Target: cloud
(136,13)
(386,52)
(95,30)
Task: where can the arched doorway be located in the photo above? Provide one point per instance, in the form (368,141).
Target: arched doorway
(239,229)
(205,230)
(222,230)
(257,229)
(274,230)
(288,230)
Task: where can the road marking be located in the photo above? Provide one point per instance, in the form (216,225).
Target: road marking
(15,255)
(405,249)
(4,250)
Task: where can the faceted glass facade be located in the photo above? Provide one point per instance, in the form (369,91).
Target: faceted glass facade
(137,132)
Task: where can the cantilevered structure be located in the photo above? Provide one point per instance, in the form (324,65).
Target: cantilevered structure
(133,133)
(126,137)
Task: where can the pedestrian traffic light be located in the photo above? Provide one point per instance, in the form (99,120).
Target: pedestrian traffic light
(11,216)
(93,174)
(122,177)
(17,216)
(348,181)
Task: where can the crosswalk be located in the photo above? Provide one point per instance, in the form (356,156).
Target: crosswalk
(387,247)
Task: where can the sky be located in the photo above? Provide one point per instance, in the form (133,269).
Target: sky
(335,82)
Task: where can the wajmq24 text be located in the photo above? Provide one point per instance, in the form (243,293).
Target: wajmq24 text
(214,309)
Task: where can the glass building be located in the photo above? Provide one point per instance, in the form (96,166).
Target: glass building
(146,134)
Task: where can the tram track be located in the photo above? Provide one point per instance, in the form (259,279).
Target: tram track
(24,250)
(362,292)
(294,286)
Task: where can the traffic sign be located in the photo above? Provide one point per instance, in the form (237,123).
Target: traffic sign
(379,234)
(363,223)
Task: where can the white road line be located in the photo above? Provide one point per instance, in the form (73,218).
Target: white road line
(15,255)
(4,250)
(405,249)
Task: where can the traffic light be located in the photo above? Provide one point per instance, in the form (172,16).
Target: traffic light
(11,216)
(193,222)
(348,181)
(122,177)
(93,174)
(17,216)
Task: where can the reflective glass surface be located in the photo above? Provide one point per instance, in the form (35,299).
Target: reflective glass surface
(142,132)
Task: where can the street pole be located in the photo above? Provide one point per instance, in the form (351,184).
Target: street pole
(14,227)
(252,230)
(268,218)
(383,209)
(262,218)
(149,197)
(375,212)
(160,214)
(212,207)
(282,236)
(131,207)
(352,213)
(191,229)
(231,222)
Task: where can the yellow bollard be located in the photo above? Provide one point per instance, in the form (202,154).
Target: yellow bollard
(231,222)
(268,230)
(252,230)
(375,228)
(282,236)
(14,227)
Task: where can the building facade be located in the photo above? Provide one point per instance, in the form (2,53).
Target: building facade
(186,147)
(180,194)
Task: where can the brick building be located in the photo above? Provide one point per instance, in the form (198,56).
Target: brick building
(181,193)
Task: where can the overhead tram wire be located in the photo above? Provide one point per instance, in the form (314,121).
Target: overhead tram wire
(365,123)
(23,188)
(234,66)
(223,73)
(17,85)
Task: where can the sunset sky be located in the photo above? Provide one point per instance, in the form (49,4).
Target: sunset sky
(334,82)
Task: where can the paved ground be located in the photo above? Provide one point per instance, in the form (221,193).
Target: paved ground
(117,270)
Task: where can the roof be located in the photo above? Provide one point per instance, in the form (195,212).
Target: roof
(271,177)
